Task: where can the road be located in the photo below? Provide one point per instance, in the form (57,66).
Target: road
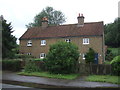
(17,86)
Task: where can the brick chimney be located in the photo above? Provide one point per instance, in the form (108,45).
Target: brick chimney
(44,22)
(80,20)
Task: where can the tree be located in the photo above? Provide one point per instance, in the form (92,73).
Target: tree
(112,33)
(115,63)
(62,58)
(109,55)
(54,17)
(8,40)
(90,56)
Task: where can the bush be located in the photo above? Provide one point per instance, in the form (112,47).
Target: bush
(109,55)
(116,65)
(23,56)
(106,62)
(31,66)
(90,56)
(13,65)
(62,58)
(38,59)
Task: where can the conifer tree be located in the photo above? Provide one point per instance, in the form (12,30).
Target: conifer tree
(8,40)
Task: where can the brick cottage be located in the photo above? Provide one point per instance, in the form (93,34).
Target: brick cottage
(36,40)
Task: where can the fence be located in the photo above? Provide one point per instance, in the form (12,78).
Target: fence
(84,69)
(38,63)
(100,69)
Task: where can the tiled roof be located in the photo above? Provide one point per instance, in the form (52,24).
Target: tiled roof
(71,30)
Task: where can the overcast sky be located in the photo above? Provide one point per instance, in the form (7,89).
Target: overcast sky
(22,12)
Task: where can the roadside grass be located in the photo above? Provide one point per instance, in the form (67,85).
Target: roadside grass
(104,78)
(49,75)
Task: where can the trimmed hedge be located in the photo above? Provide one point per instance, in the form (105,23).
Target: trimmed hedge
(37,59)
(31,66)
(12,65)
(34,65)
(23,56)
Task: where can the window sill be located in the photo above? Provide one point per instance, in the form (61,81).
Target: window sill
(29,46)
(85,43)
(42,45)
(42,57)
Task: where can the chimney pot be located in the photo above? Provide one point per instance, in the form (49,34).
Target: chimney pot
(79,15)
(80,20)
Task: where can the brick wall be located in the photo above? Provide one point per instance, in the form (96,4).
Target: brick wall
(95,42)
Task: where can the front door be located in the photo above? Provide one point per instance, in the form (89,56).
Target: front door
(96,58)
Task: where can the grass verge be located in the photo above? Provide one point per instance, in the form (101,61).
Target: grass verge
(104,78)
(49,75)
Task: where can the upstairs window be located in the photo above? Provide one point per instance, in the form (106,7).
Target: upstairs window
(42,55)
(67,40)
(85,40)
(29,43)
(43,42)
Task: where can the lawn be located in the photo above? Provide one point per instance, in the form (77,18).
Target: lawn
(104,78)
(49,75)
(115,51)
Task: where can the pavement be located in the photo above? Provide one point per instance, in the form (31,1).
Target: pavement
(17,87)
(41,82)
(12,86)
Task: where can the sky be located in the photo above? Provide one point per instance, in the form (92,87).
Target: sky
(22,12)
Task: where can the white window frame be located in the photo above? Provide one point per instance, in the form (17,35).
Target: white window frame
(28,53)
(42,55)
(83,56)
(43,42)
(29,43)
(85,40)
(67,40)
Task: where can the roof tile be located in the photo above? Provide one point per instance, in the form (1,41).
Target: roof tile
(95,28)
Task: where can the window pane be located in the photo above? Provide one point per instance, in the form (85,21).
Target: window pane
(85,40)
(28,53)
(67,40)
(42,55)
(43,42)
(29,43)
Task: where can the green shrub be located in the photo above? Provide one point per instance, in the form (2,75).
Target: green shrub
(115,51)
(90,56)
(38,59)
(31,66)
(62,58)
(109,55)
(116,65)
(23,56)
(13,65)
(106,62)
